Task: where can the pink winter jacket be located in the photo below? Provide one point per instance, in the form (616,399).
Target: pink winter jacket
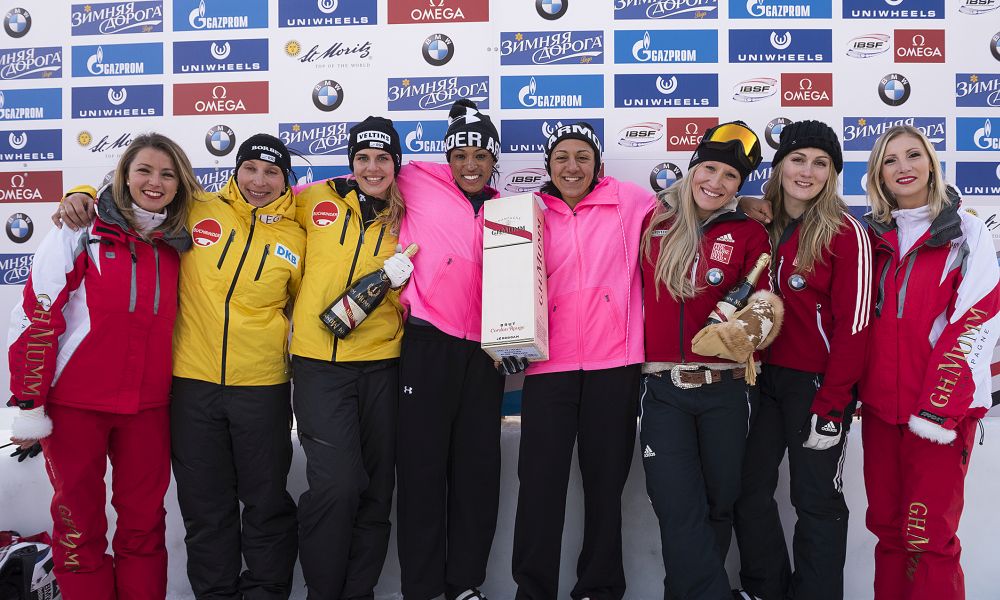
(594,281)
(446,287)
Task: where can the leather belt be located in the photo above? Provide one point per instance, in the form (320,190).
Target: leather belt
(692,376)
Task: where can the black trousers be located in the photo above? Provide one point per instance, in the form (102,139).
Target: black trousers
(448,465)
(232,444)
(819,544)
(597,411)
(692,443)
(346,419)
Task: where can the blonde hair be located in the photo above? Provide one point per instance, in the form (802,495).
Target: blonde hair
(677,212)
(187,184)
(881,200)
(392,216)
(820,221)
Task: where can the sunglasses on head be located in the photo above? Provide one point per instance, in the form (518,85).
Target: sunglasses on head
(729,134)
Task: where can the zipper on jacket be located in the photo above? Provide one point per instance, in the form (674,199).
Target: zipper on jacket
(468,307)
(901,294)
(694,270)
(579,288)
(819,326)
(225,250)
(347,221)
(232,288)
(880,299)
(354,264)
(263,259)
(156,295)
(378,244)
(132,285)
(777,275)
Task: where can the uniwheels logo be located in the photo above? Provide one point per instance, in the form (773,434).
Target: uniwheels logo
(807,89)
(683,135)
(325,214)
(206,232)
(230,98)
(919,46)
(439,11)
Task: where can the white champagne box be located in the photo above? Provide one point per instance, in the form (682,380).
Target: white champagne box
(515,303)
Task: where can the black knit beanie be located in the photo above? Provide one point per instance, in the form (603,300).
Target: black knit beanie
(267,148)
(378,133)
(469,127)
(730,151)
(577,131)
(809,134)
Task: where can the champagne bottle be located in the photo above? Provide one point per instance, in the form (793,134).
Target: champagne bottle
(344,314)
(739,295)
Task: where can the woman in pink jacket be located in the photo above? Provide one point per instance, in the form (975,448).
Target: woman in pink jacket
(588,390)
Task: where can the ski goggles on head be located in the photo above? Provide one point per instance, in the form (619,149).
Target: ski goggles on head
(727,136)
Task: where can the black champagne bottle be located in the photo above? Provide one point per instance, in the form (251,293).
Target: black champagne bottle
(738,296)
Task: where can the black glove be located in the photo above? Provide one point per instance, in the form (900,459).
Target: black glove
(510,365)
(29,452)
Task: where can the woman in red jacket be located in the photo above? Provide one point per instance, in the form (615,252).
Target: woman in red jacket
(822,269)
(927,377)
(696,405)
(90,364)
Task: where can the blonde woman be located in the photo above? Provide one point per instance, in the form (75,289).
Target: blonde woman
(822,269)
(927,378)
(696,403)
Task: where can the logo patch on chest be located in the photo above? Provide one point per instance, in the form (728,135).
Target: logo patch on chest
(325,214)
(269,219)
(206,232)
(281,251)
(722,253)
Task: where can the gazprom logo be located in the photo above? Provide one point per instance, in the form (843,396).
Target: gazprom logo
(977,89)
(666,9)
(25,105)
(550,48)
(31,63)
(551,91)
(784,45)
(205,15)
(780,9)
(860,133)
(108,18)
(893,9)
(436,93)
(666,90)
(316,139)
(667,46)
(978,133)
(327,13)
(524,136)
(422,137)
(221,55)
(118,60)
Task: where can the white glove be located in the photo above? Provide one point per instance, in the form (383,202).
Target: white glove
(30,424)
(398,268)
(823,434)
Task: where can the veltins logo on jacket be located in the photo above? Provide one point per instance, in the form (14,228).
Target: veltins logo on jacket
(108,18)
(860,133)
(228,98)
(422,137)
(326,13)
(978,133)
(106,102)
(436,93)
(118,60)
(551,48)
(674,9)
(439,11)
(780,9)
(220,56)
(201,15)
(666,46)
(19,145)
(30,186)
(31,63)
(316,139)
(893,9)
(25,105)
(520,136)
(978,178)
(780,45)
(673,90)
(551,91)
(977,89)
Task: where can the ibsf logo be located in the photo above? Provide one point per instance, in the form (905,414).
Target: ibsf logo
(868,45)
(664,175)
(550,48)
(770,46)
(674,46)
(226,56)
(15,268)
(772,132)
(436,93)
(17,22)
(326,13)
(638,135)
(894,89)
(552,91)
(919,45)
(31,63)
(113,18)
(24,146)
(316,139)
(220,140)
(30,186)
(551,10)
(113,102)
(207,15)
(327,95)
(422,137)
(978,178)
(438,49)
(779,9)
(978,134)
(893,9)
(651,91)
(977,89)
(439,11)
(230,98)
(807,89)
(118,60)
(525,180)
(24,105)
(206,232)
(755,90)
(978,7)
(325,213)
(684,134)
(860,133)
(666,9)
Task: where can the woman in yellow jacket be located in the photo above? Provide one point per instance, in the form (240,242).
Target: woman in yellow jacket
(230,414)
(345,394)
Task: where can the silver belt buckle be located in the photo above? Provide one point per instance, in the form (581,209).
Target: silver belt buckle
(675,376)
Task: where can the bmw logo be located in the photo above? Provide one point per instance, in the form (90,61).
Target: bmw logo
(894,89)
(995,46)
(17,22)
(438,49)
(664,175)
(714,276)
(20,228)
(551,9)
(220,140)
(327,95)
(772,133)
(797,282)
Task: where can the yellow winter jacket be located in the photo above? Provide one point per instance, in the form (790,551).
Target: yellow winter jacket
(340,252)
(241,273)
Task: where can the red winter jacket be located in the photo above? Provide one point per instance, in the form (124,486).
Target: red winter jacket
(826,313)
(935,322)
(94,328)
(731,243)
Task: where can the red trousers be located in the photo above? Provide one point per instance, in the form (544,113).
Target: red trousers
(76,456)
(916,492)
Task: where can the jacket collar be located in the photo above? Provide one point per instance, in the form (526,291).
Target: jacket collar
(602,194)
(108,214)
(946,227)
(283,206)
(442,172)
